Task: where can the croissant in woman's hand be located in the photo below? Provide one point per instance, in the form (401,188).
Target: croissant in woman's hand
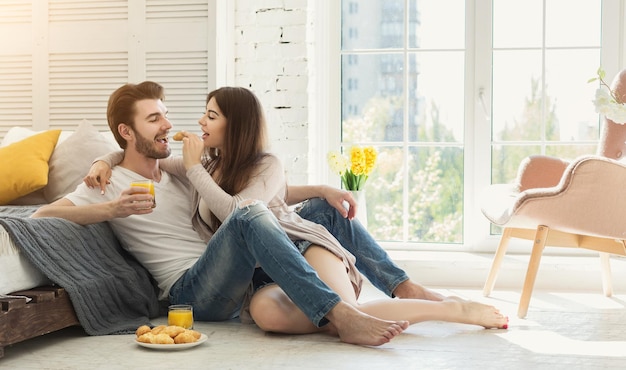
(178,136)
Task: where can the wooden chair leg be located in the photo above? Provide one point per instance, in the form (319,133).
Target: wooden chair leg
(497,262)
(605,268)
(541,236)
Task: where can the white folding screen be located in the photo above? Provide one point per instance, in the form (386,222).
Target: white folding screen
(61,59)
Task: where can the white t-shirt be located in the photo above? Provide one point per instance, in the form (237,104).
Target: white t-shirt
(163,241)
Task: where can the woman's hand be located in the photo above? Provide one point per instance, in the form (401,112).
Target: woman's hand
(98,175)
(193,147)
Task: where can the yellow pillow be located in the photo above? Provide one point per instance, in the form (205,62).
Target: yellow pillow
(24,165)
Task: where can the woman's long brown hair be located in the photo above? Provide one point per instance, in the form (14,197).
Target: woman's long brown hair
(245,141)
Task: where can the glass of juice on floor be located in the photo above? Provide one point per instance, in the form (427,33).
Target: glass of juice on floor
(148,184)
(180,315)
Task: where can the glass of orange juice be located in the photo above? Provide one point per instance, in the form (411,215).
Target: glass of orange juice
(148,184)
(180,315)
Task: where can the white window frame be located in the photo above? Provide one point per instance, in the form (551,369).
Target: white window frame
(326,107)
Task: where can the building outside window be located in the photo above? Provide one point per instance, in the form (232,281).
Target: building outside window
(455,93)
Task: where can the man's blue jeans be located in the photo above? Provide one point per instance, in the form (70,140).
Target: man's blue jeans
(371,259)
(217,284)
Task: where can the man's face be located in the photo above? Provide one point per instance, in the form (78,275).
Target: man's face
(152,128)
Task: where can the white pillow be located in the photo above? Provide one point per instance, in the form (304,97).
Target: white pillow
(71,159)
(16,134)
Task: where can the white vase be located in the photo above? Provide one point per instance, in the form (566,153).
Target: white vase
(361,214)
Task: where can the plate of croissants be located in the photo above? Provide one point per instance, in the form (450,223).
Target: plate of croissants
(168,337)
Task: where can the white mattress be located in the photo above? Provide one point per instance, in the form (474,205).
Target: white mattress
(16,272)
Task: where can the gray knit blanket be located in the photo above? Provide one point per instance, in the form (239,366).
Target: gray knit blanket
(110,291)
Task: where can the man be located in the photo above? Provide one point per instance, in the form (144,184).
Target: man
(164,241)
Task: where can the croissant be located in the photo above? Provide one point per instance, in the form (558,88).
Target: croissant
(158,329)
(194,333)
(170,334)
(143,329)
(162,339)
(173,330)
(184,337)
(178,136)
(146,337)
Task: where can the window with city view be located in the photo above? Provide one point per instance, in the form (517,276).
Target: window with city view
(453,98)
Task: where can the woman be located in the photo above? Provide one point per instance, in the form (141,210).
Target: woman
(239,169)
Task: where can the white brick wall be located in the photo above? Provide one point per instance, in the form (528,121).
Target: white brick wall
(271,60)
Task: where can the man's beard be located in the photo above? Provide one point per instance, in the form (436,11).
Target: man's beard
(146,147)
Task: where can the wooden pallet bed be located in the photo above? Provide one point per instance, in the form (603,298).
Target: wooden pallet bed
(49,310)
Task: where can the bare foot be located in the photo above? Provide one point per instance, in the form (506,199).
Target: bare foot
(481,314)
(410,289)
(356,327)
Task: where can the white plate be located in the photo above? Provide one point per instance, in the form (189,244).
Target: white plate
(173,347)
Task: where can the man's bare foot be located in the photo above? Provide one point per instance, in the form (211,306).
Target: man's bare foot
(481,314)
(410,289)
(356,327)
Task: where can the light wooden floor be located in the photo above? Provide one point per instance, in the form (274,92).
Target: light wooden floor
(562,331)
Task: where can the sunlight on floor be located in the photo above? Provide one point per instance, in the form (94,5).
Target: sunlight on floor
(533,336)
(594,300)
(546,301)
(550,343)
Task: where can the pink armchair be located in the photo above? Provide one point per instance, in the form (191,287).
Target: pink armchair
(562,204)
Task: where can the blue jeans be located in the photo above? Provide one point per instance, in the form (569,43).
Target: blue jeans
(371,259)
(218,282)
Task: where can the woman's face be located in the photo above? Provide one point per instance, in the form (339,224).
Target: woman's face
(213,125)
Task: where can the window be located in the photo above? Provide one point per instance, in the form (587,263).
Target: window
(455,93)
(353,7)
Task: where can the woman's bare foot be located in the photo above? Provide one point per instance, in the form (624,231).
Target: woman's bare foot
(410,289)
(481,314)
(355,327)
